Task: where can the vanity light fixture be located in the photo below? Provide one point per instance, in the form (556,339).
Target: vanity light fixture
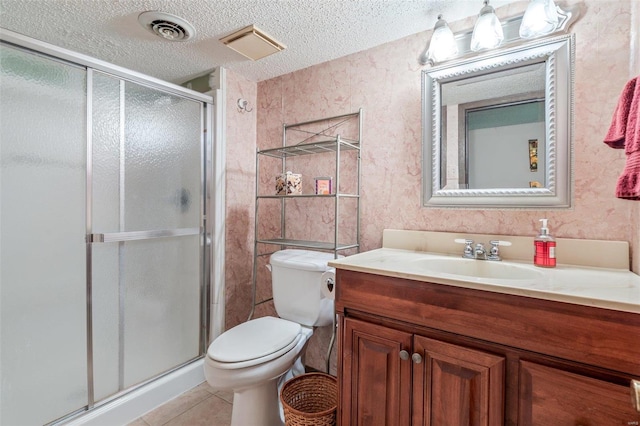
(540,18)
(442,45)
(487,33)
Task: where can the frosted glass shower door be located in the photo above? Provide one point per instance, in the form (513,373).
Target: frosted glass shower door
(147,168)
(43,359)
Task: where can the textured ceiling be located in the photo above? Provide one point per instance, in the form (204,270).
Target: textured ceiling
(314,31)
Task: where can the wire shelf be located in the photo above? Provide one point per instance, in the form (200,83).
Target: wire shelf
(307,244)
(311,148)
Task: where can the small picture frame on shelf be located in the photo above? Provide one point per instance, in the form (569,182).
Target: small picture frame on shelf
(324,185)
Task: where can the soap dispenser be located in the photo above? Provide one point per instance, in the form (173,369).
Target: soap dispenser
(545,248)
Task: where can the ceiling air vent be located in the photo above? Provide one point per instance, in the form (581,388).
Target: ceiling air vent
(252,43)
(169,27)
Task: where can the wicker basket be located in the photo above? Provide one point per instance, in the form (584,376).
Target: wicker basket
(310,400)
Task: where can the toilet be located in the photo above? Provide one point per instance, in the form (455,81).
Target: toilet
(253,358)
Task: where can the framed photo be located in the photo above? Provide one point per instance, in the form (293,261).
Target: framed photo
(324,185)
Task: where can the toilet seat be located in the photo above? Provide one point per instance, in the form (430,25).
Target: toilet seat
(254,342)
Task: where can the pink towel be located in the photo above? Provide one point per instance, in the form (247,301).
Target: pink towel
(624,132)
(628,186)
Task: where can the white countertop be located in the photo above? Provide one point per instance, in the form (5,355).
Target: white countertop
(615,289)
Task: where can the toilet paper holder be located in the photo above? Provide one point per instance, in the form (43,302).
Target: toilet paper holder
(330,283)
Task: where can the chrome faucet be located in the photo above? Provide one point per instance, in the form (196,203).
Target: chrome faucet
(480,252)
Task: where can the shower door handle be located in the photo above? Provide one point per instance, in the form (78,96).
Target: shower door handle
(114,237)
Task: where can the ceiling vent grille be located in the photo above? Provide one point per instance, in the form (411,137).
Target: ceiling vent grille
(252,43)
(169,27)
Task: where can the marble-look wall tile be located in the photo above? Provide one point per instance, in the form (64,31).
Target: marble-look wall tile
(635,229)
(316,92)
(240,197)
(269,113)
(635,71)
(385,82)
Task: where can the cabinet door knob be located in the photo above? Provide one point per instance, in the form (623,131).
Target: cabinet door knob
(635,394)
(404,355)
(417,358)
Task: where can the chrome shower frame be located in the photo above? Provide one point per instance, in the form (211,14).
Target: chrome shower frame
(210,202)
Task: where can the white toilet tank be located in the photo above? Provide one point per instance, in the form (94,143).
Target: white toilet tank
(295,279)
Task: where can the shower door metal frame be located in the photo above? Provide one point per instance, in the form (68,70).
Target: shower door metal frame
(205,231)
(124,236)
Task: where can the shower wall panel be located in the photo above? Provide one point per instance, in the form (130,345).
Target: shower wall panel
(43,360)
(85,318)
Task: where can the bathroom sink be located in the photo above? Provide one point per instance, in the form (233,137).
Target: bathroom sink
(481,269)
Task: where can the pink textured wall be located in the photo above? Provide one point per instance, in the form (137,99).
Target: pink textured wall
(240,198)
(385,82)
(635,70)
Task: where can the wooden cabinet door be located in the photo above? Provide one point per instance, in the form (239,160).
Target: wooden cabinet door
(456,386)
(552,397)
(376,382)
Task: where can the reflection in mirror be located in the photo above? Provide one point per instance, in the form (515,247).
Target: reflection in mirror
(496,120)
(497,128)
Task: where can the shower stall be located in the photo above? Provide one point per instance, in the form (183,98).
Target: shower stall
(104,255)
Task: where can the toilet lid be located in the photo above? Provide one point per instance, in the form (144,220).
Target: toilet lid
(253,339)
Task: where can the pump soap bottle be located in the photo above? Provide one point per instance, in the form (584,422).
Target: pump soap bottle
(545,248)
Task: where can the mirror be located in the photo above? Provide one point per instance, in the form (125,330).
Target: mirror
(497,128)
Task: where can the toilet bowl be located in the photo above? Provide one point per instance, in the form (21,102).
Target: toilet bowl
(255,357)
(255,381)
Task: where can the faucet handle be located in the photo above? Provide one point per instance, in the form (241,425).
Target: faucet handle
(468,249)
(463,241)
(494,253)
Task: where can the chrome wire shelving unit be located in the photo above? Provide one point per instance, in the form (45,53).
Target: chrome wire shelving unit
(321,136)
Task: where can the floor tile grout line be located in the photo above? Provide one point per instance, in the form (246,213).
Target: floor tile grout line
(193,407)
(188,409)
(219,397)
(211,393)
(142,417)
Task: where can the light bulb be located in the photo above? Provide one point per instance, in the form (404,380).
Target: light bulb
(443,44)
(487,33)
(540,18)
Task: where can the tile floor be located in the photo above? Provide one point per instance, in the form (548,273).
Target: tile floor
(200,406)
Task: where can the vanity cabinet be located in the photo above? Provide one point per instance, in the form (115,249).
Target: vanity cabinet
(456,385)
(411,379)
(550,396)
(376,381)
(420,353)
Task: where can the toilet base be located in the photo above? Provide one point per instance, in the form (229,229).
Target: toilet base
(260,406)
(257,406)
(256,400)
